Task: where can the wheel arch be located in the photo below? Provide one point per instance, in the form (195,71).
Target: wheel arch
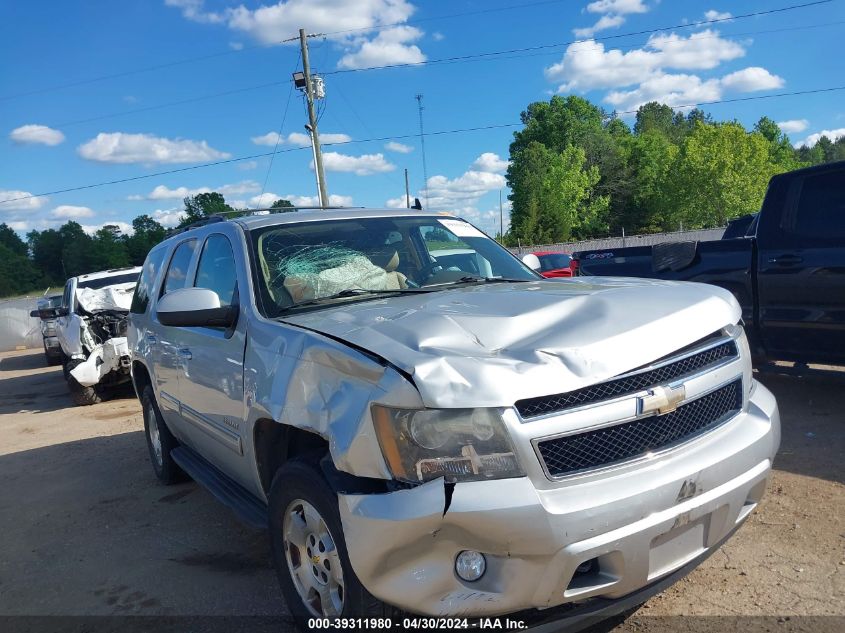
(275,443)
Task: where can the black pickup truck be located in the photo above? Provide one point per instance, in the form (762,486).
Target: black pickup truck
(787,269)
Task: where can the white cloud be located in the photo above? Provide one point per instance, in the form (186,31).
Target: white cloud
(588,66)
(236,46)
(712,14)
(349,23)
(304,140)
(271,139)
(267,199)
(603,23)
(248,165)
(437,36)
(617,6)
(364,165)
(194,10)
(399,148)
(833,135)
(168,217)
(463,191)
(490,162)
(71,212)
(300,139)
(121,147)
(162,192)
(28,202)
(673,90)
(390,46)
(751,79)
(36,134)
(124,228)
(794,125)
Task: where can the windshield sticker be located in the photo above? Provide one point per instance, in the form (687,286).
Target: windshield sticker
(461,229)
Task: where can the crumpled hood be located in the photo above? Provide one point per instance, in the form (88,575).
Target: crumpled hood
(117,297)
(493,344)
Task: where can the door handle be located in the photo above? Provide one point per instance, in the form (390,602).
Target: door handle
(151,339)
(185,353)
(786,260)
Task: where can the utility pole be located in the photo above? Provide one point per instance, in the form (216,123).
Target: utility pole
(419,99)
(407,192)
(312,118)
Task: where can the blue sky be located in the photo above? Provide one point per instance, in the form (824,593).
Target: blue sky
(62,130)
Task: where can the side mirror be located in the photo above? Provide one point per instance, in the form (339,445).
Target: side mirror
(195,307)
(62,312)
(532,261)
(45,313)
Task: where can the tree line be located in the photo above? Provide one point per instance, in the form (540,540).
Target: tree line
(48,258)
(577,172)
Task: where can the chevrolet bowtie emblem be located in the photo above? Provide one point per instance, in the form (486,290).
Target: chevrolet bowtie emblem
(662,400)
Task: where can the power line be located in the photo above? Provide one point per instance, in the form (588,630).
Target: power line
(392,138)
(526,49)
(278,134)
(484,57)
(190,60)
(427,62)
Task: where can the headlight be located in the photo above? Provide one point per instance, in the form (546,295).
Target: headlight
(459,444)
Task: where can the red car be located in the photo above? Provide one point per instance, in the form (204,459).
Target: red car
(555,264)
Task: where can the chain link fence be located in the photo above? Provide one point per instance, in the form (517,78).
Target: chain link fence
(704,235)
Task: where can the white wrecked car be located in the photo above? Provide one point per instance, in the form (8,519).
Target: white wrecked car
(91,328)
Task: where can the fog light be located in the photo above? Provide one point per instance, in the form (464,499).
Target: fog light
(470,565)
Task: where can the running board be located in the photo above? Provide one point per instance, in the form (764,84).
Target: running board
(246,506)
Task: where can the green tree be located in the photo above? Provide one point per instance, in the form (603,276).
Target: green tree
(652,204)
(722,172)
(12,241)
(553,195)
(203,205)
(146,233)
(282,204)
(79,254)
(47,249)
(558,123)
(110,248)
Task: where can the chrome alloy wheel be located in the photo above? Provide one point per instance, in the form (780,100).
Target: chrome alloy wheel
(155,434)
(313,560)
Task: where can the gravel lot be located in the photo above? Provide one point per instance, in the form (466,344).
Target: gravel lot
(86,530)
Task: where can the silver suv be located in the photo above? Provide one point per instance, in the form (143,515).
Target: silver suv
(447,438)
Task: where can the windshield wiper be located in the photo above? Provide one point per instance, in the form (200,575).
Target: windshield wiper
(468,279)
(355,292)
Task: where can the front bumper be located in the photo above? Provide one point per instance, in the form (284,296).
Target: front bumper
(640,526)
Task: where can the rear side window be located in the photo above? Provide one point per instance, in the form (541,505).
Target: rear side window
(144,289)
(216,269)
(177,272)
(820,209)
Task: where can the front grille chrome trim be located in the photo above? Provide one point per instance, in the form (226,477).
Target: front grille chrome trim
(650,456)
(680,379)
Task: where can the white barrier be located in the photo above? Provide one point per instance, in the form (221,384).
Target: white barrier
(17,328)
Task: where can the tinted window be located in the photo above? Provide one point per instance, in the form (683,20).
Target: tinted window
(820,211)
(554,261)
(216,269)
(177,273)
(103,282)
(66,303)
(144,289)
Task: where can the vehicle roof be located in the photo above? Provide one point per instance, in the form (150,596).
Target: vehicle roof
(114,272)
(315,215)
(839,164)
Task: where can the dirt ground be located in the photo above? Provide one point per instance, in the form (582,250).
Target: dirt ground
(86,530)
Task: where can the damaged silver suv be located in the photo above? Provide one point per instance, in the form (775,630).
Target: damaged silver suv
(447,436)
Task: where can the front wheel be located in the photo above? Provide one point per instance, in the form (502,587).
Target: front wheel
(309,551)
(160,441)
(82,396)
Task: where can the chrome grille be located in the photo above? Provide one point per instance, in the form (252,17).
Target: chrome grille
(627,385)
(629,440)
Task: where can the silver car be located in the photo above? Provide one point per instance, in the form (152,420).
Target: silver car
(425,439)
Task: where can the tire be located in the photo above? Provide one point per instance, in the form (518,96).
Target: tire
(299,488)
(160,442)
(82,396)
